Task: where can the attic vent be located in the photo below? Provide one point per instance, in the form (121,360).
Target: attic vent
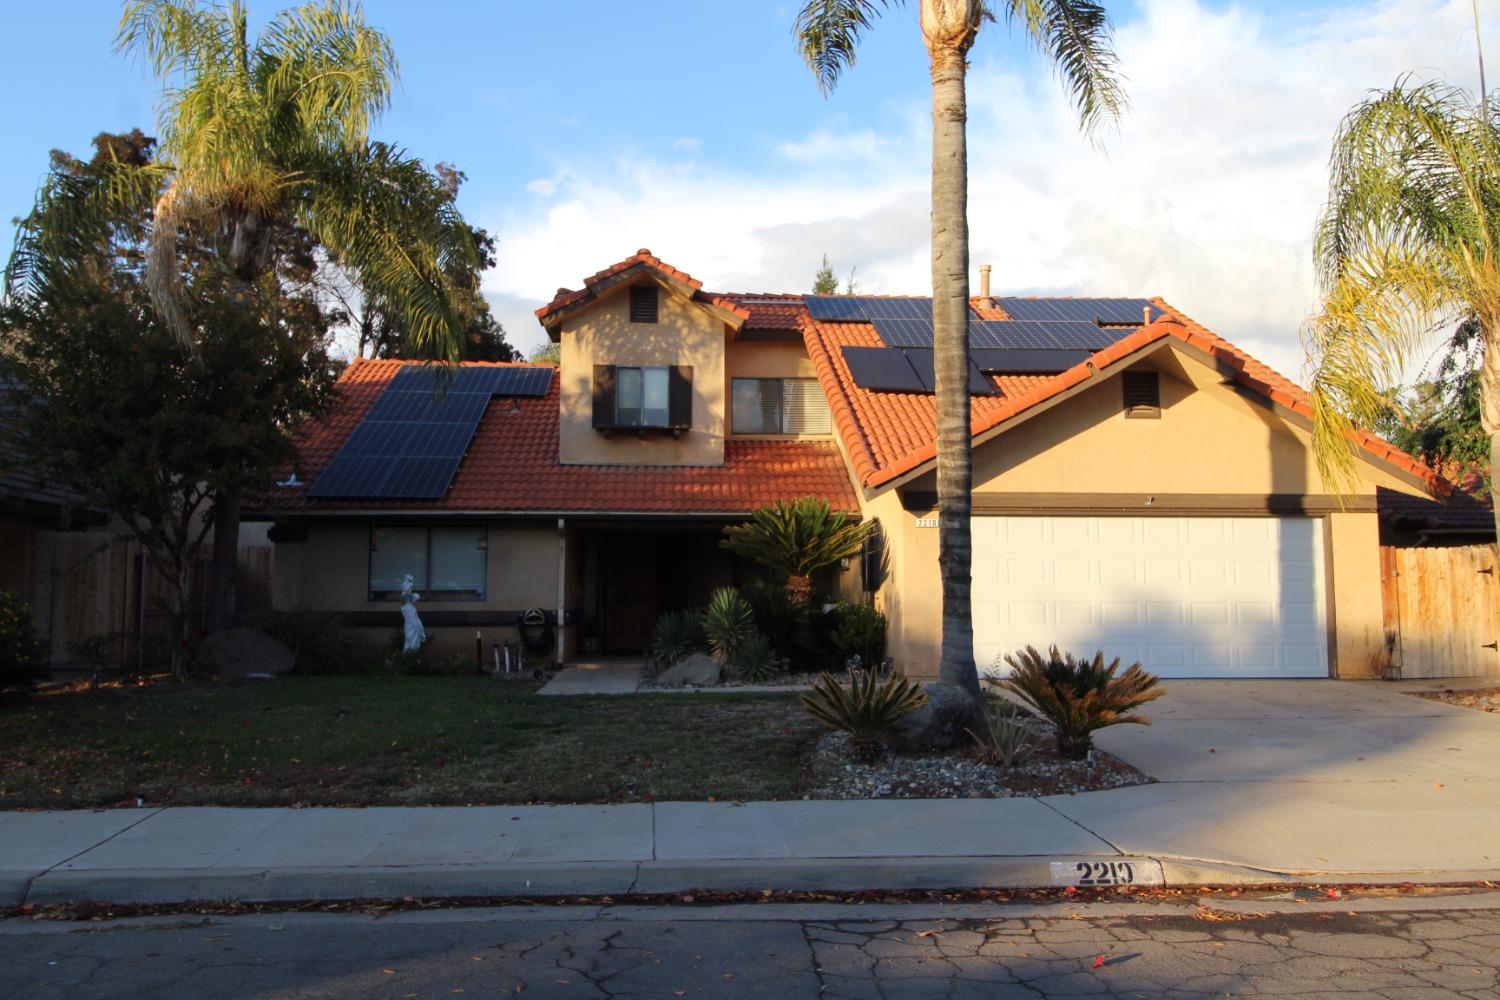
(1142,394)
(643,303)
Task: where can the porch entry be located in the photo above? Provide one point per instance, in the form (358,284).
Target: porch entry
(631,576)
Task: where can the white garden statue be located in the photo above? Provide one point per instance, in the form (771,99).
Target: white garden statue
(410,623)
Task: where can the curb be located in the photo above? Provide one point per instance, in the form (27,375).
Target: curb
(623,880)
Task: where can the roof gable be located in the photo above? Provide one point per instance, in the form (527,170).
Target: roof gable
(568,302)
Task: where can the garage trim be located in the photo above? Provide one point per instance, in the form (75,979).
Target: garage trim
(1150,504)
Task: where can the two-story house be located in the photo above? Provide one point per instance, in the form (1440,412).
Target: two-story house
(1140,484)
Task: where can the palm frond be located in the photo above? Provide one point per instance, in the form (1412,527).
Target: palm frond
(1078,39)
(828,34)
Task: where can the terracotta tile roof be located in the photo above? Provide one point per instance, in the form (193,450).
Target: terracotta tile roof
(770,311)
(889,434)
(512,465)
(642,260)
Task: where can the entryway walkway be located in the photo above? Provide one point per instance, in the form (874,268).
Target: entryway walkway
(601,676)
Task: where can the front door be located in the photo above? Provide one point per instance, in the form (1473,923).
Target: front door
(629,599)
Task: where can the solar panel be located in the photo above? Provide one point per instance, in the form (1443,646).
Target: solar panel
(1107,311)
(866,308)
(902,308)
(922,364)
(834,308)
(1024,361)
(410,442)
(1040,335)
(881,369)
(904,332)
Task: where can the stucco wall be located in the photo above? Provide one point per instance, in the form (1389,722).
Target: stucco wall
(685,334)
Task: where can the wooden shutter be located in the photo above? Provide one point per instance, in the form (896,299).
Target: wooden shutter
(643,303)
(604,396)
(1142,391)
(680,396)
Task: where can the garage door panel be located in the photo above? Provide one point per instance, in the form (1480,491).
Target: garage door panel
(1186,596)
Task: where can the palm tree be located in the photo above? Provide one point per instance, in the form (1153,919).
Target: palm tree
(264,147)
(795,540)
(1076,36)
(1408,244)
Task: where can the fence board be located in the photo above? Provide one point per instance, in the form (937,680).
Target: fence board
(1444,607)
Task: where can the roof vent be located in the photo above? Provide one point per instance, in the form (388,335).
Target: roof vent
(985,302)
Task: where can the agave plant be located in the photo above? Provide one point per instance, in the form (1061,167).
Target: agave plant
(1001,737)
(797,539)
(757,660)
(728,623)
(1078,696)
(866,709)
(676,635)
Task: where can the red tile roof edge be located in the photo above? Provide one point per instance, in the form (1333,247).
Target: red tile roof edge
(643,259)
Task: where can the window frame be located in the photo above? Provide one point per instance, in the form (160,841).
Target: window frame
(781,406)
(387,596)
(665,372)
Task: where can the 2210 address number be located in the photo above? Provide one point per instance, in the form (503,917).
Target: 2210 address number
(1096,873)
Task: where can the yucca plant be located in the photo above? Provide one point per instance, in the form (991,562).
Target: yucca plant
(677,634)
(780,619)
(1001,737)
(727,624)
(757,660)
(1078,696)
(796,539)
(866,709)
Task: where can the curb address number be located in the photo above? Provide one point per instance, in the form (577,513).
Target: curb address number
(1092,873)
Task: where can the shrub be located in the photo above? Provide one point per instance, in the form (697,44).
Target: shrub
(22,656)
(320,643)
(860,631)
(727,623)
(779,618)
(1003,740)
(677,634)
(757,659)
(795,540)
(1078,696)
(866,709)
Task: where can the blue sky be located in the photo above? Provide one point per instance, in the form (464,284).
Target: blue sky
(588,129)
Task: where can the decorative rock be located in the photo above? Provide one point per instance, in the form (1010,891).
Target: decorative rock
(938,724)
(698,670)
(247,652)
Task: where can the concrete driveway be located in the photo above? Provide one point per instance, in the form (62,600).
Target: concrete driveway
(1303,776)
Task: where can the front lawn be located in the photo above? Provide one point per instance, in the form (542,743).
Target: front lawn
(393,741)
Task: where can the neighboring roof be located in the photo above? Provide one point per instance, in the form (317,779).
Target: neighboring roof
(643,261)
(21,490)
(512,466)
(1461,512)
(890,434)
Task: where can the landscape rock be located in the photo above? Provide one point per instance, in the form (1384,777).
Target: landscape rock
(246,652)
(938,724)
(698,670)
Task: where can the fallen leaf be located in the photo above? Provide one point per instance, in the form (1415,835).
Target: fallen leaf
(1098,961)
(928,933)
(389,972)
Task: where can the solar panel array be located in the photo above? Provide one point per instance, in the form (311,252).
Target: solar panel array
(1109,312)
(885,369)
(411,441)
(1025,361)
(1003,335)
(863,308)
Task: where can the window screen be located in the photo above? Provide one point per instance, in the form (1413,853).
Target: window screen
(779,406)
(445,563)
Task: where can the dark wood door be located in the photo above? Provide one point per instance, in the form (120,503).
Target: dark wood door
(629,600)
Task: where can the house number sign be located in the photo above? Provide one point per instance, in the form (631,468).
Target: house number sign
(1094,873)
(927,522)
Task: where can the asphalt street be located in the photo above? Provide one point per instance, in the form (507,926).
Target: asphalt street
(890,953)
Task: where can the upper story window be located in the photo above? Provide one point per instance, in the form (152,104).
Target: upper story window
(643,397)
(446,564)
(779,406)
(643,303)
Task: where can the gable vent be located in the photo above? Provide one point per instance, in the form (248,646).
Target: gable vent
(643,303)
(1142,394)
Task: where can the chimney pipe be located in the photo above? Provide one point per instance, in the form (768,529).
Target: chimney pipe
(1146,315)
(985,302)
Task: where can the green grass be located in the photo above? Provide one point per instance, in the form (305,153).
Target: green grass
(393,741)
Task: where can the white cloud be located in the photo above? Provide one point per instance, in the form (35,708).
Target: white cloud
(544,186)
(1207,195)
(687,144)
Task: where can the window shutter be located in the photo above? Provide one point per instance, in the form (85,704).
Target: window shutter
(604,396)
(873,562)
(680,396)
(1142,394)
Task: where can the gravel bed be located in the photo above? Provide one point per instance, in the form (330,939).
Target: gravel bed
(781,682)
(958,773)
(1487,700)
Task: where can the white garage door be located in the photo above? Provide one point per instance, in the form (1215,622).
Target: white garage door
(1186,596)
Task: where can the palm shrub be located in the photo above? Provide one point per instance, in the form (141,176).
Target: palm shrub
(757,659)
(728,623)
(1078,696)
(779,618)
(866,709)
(21,654)
(860,632)
(677,634)
(797,539)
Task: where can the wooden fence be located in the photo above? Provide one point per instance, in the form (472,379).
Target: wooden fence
(1442,610)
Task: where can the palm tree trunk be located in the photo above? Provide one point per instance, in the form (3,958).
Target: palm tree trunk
(950,323)
(1489,408)
(799,590)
